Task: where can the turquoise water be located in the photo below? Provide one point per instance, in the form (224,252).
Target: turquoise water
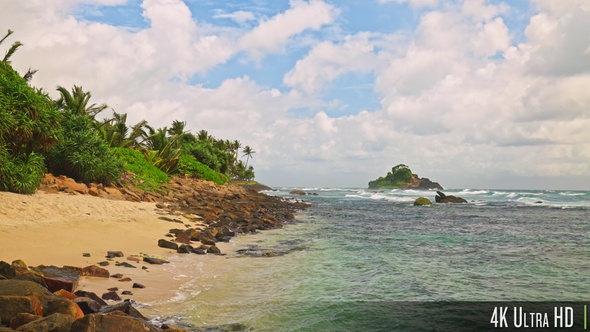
(356,252)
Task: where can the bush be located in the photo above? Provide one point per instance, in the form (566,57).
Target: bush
(189,165)
(82,154)
(21,174)
(148,176)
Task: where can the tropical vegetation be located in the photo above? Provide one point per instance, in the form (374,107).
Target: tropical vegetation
(66,137)
(398,177)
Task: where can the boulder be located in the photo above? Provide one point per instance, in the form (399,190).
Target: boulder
(213,250)
(125,307)
(12,305)
(7,270)
(91,295)
(137,285)
(58,278)
(114,253)
(442,198)
(52,323)
(167,244)
(88,305)
(297,192)
(113,296)
(22,319)
(95,271)
(421,201)
(184,249)
(153,260)
(113,322)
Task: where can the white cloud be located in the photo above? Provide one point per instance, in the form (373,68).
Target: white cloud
(239,16)
(270,36)
(328,61)
(414,3)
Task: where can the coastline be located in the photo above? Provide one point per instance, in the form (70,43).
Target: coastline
(63,229)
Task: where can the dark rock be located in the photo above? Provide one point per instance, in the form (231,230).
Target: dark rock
(58,278)
(12,305)
(113,254)
(153,260)
(199,251)
(126,292)
(86,254)
(183,238)
(137,285)
(91,295)
(442,198)
(111,296)
(125,279)
(31,276)
(117,276)
(207,241)
(105,263)
(213,250)
(6,270)
(112,322)
(184,249)
(113,289)
(88,305)
(22,319)
(125,307)
(167,244)
(125,264)
(53,323)
(144,267)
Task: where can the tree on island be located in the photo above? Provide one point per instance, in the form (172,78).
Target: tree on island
(398,176)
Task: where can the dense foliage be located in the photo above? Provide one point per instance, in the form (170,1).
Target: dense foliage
(398,176)
(38,134)
(148,176)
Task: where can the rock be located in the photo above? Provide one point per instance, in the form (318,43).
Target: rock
(111,322)
(88,305)
(58,278)
(184,249)
(183,238)
(104,263)
(91,295)
(125,307)
(297,192)
(207,241)
(93,191)
(167,244)
(70,185)
(125,279)
(65,294)
(7,270)
(421,201)
(53,323)
(126,292)
(442,198)
(213,250)
(22,319)
(12,305)
(31,276)
(86,254)
(114,193)
(199,251)
(111,296)
(19,264)
(137,285)
(113,289)
(125,264)
(95,271)
(113,254)
(117,276)
(153,260)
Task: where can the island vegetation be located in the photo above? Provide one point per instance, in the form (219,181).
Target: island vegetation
(401,177)
(67,137)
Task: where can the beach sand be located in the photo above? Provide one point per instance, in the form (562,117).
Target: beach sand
(56,229)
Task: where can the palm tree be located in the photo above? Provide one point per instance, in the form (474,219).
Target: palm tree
(77,102)
(12,48)
(177,128)
(248,152)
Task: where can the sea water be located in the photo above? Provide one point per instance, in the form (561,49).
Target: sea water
(344,261)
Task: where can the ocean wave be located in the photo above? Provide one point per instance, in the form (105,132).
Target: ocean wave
(569,193)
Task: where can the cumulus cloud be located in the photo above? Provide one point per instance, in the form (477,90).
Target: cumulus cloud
(271,35)
(239,16)
(414,3)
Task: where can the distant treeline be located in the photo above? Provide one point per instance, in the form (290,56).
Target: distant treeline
(64,137)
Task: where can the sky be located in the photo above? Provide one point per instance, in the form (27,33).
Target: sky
(469,93)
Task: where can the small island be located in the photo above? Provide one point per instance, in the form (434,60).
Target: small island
(401,177)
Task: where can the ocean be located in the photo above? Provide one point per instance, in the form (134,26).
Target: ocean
(360,260)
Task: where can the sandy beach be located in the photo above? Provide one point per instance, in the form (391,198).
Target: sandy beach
(57,229)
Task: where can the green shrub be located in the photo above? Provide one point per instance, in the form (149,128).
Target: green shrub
(82,154)
(189,165)
(148,176)
(21,174)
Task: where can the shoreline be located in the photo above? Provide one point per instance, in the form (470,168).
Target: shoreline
(63,229)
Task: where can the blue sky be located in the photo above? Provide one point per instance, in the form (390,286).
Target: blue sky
(471,93)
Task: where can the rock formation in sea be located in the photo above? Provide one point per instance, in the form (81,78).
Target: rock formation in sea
(401,177)
(442,198)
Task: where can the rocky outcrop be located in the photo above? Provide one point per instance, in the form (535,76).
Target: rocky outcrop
(417,182)
(401,177)
(422,201)
(442,198)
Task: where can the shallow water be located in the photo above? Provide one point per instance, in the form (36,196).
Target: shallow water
(356,251)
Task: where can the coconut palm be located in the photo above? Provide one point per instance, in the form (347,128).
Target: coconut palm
(12,48)
(77,102)
(248,152)
(177,128)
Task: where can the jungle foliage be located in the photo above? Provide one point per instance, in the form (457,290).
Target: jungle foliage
(66,137)
(398,176)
